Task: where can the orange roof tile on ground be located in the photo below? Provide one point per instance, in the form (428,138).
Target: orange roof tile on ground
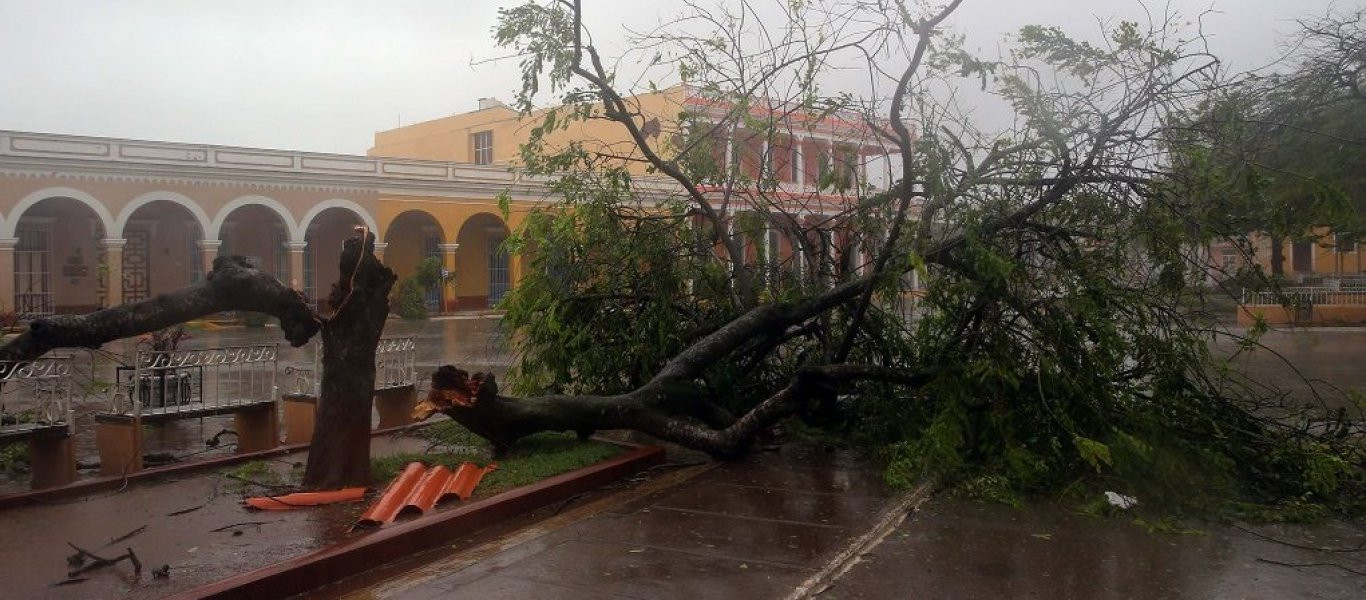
(418,489)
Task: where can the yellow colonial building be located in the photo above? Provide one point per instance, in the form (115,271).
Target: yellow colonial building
(89,222)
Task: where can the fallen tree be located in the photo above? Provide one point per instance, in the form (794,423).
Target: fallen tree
(340,453)
(1012,312)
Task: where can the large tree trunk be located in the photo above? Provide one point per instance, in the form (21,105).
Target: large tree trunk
(340,453)
(673,413)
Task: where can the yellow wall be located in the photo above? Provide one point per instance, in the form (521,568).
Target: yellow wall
(448,138)
(470,287)
(1327,261)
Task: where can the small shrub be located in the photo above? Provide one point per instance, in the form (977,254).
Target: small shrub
(14,459)
(410,298)
(411,301)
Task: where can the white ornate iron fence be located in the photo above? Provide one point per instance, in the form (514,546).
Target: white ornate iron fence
(197,381)
(396,362)
(35,395)
(395,366)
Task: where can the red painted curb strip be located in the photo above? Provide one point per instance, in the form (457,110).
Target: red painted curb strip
(95,484)
(335,563)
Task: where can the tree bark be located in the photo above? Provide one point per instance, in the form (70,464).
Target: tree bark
(231,285)
(340,453)
(474,402)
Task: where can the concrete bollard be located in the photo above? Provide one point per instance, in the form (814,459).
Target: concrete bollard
(258,428)
(52,460)
(119,440)
(395,405)
(300,412)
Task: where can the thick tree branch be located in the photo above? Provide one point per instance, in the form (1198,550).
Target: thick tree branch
(475,404)
(231,285)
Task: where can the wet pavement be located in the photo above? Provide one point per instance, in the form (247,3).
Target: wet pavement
(751,529)
(1326,360)
(195,524)
(968,550)
(758,528)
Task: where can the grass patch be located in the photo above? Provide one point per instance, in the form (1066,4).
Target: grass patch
(265,474)
(534,458)
(14,459)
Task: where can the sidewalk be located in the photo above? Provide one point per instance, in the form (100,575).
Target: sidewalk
(969,550)
(781,524)
(753,529)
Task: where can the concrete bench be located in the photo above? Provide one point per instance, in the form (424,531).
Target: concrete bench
(236,380)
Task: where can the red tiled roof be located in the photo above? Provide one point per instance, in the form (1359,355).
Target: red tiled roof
(418,489)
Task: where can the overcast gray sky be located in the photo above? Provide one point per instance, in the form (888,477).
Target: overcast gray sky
(324,75)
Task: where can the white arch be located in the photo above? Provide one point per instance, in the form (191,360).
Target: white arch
(216,226)
(10,225)
(195,209)
(445,237)
(465,223)
(340,203)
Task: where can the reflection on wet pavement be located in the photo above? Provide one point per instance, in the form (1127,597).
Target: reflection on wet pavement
(961,549)
(750,529)
(1328,359)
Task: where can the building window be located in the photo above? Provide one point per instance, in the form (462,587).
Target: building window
(1345,242)
(483,147)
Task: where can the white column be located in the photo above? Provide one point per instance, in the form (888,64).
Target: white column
(769,259)
(296,265)
(764,161)
(730,153)
(379,250)
(7,299)
(448,297)
(208,250)
(113,257)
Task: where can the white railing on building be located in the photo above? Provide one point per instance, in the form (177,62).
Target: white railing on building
(1306,296)
(35,395)
(198,381)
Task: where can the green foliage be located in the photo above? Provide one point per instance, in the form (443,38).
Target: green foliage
(1061,335)
(410,296)
(14,459)
(533,458)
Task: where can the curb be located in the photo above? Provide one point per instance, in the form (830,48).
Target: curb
(96,484)
(328,565)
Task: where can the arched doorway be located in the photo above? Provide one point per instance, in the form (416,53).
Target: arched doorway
(413,237)
(260,234)
(162,252)
(59,261)
(483,268)
(325,233)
